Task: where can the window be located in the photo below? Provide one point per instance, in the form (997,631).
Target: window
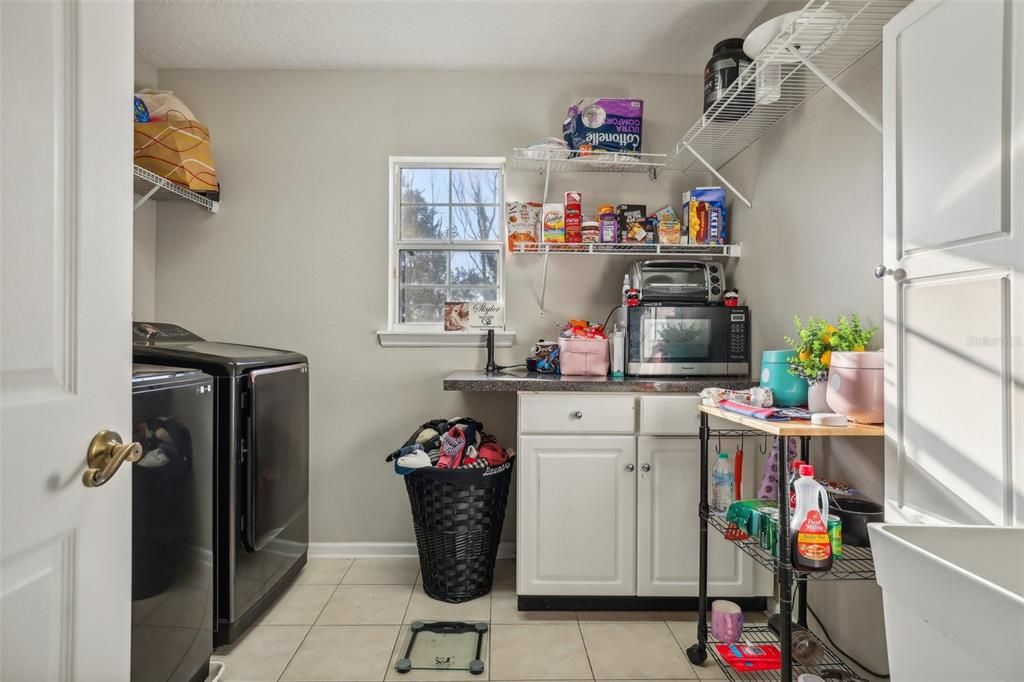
(446,237)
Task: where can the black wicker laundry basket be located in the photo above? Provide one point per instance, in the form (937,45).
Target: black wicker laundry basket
(457,515)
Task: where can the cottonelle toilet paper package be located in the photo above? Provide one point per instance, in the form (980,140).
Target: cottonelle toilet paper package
(609,125)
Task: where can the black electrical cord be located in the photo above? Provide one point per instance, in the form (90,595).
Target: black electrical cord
(605,325)
(836,647)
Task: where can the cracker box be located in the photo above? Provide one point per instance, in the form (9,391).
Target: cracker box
(610,125)
(632,223)
(553,222)
(573,217)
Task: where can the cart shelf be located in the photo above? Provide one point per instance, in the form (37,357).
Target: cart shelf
(831,666)
(856,563)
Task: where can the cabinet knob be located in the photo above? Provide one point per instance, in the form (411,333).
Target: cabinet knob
(577,415)
(645,467)
(630,468)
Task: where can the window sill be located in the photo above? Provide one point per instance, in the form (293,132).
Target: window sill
(391,338)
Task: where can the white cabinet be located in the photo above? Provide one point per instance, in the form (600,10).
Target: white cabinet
(667,529)
(577,515)
(609,508)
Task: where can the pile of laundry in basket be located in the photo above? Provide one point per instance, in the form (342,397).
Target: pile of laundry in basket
(458,443)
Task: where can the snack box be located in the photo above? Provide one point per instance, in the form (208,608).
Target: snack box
(573,217)
(553,221)
(604,124)
(632,223)
(749,658)
(522,219)
(704,215)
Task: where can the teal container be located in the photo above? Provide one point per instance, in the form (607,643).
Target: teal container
(789,390)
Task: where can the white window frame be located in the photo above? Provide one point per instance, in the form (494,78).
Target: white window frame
(414,334)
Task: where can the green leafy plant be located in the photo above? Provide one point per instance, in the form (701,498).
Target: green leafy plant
(815,342)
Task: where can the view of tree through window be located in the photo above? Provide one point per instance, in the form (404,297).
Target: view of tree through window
(449,239)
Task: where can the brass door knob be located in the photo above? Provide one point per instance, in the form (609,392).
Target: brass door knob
(106,453)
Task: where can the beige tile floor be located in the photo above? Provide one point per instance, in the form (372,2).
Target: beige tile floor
(343,620)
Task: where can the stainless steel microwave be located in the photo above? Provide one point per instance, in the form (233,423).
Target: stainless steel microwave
(688,340)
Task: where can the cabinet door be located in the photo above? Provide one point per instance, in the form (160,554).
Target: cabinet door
(577,515)
(668,535)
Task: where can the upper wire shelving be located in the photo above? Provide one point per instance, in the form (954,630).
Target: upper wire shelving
(548,161)
(149,185)
(825,38)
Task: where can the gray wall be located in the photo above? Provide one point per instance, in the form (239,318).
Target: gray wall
(298,256)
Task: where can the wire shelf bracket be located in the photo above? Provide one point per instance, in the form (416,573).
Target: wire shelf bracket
(824,39)
(149,185)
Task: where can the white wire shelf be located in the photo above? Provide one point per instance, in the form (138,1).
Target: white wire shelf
(823,41)
(559,161)
(703,250)
(149,185)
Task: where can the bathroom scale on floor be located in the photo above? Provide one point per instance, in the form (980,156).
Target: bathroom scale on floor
(444,645)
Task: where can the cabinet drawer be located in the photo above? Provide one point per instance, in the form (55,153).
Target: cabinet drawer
(673,415)
(577,413)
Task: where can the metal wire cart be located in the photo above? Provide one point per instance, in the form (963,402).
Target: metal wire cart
(855,564)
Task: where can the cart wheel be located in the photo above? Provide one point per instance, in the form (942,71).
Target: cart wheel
(476,667)
(403,665)
(697,654)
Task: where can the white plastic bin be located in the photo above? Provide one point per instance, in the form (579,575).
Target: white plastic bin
(953,599)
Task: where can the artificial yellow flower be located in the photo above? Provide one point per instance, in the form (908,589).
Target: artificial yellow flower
(804,355)
(826,358)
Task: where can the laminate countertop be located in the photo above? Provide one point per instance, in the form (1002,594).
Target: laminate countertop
(515,381)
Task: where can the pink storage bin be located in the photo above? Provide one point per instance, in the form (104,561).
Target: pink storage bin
(583,357)
(856,386)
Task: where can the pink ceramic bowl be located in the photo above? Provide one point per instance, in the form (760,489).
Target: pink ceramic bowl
(856,386)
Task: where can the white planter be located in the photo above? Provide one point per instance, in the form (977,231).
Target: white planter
(816,397)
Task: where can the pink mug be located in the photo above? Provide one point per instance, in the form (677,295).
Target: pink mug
(726,621)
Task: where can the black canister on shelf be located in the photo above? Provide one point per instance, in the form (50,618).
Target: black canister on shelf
(727,61)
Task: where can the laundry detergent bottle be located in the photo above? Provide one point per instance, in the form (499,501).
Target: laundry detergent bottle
(812,549)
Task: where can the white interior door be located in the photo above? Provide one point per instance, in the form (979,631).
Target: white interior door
(954,307)
(65,360)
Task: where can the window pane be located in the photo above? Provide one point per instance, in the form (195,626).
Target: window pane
(475,222)
(475,267)
(421,304)
(425,186)
(423,267)
(425,222)
(473,294)
(475,185)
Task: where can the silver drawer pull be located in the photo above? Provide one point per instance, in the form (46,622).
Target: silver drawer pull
(645,467)
(577,415)
(630,468)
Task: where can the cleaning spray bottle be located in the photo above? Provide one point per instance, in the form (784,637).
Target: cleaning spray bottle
(812,548)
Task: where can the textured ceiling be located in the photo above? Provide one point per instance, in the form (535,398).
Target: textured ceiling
(601,36)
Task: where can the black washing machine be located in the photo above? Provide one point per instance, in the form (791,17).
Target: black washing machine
(172,525)
(261,417)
